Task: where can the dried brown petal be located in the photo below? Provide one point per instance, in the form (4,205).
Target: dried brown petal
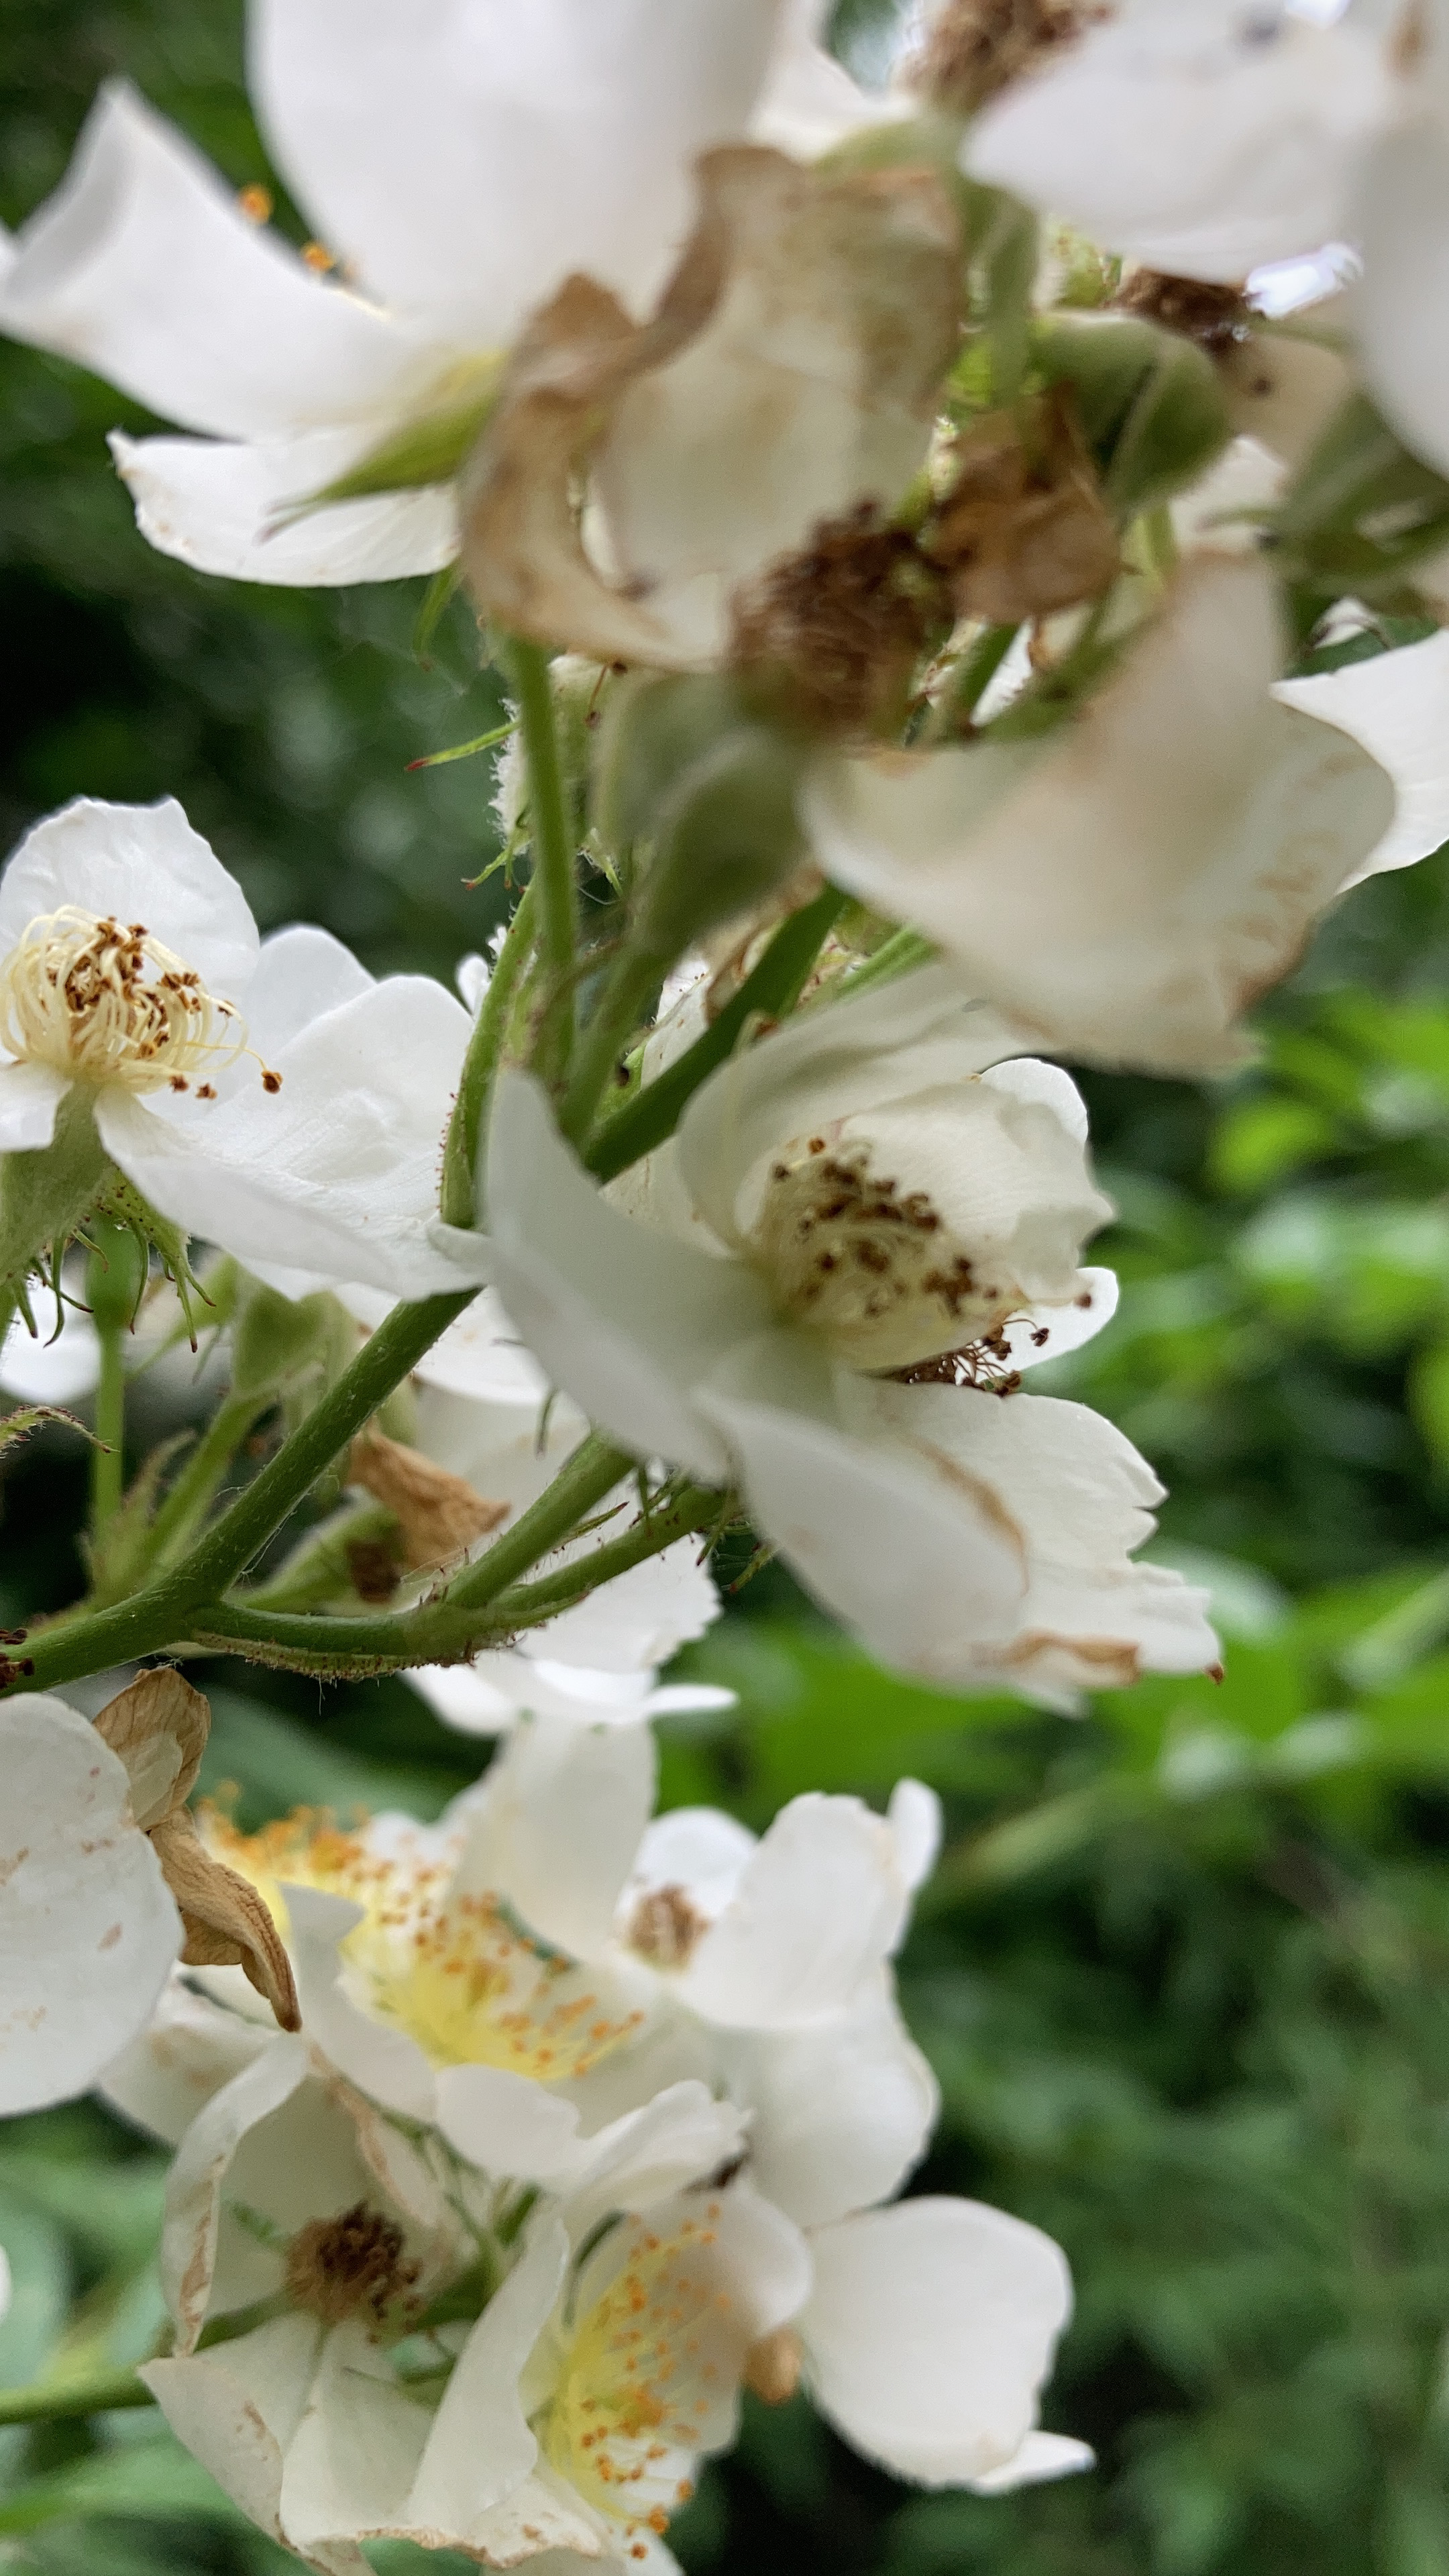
(439,1514)
(973,48)
(227,1923)
(158,1726)
(1023,531)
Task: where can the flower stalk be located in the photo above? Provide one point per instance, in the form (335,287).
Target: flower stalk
(553,856)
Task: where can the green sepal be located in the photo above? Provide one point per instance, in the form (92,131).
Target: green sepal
(697,783)
(46,1195)
(428,448)
(282,1345)
(1150,404)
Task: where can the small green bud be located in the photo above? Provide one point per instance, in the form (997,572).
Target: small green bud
(1151,405)
(704,789)
(115,1273)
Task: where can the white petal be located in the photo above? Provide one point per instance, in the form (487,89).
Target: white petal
(30,1095)
(1205,141)
(914,1816)
(623,1318)
(807,391)
(143,267)
(237,2409)
(818,1908)
(482,1355)
(45,1370)
(559,1825)
(384,2063)
(467,154)
(910,1553)
(914,1034)
(139,863)
(838,2115)
(1048,1332)
(88,1930)
(1042,2456)
(929,2332)
(352,2460)
(222,509)
(679,2138)
(1398,708)
(1401,220)
(199,2176)
(301,972)
(486,1696)
(699,1849)
(1131,884)
(480,2447)
(189,2050)
(1078,1500)
(334,1176)
(507,2124)
(637,1619)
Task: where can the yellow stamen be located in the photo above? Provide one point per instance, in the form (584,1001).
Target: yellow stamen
(105,1004)
(255,203)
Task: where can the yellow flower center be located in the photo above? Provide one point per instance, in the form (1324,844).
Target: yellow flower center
(871,1267)
(650,2369)
(103,1003)
(458,1973)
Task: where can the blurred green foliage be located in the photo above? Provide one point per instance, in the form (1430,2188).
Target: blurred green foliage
(1184,1972)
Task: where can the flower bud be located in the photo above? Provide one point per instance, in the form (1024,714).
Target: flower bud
(1149,402)
(704,788)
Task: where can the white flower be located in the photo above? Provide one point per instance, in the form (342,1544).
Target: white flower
(490,1694)
(267,1096)
(458,163)
(875,1195)
(1397,706)
(1128,885)
(1207,140)
(790,376)
(88,1928)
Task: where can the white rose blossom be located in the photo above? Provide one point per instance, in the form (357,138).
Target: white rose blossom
(607,2358)
(459,158)
(877,1196)
(268,1095)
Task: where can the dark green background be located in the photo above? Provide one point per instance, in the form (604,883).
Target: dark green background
(1185,1971)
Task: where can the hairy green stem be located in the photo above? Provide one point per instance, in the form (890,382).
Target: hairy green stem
(770,991)
(161,1615)
(468,1126)
(108,1457)
(449,1630)
(553,854)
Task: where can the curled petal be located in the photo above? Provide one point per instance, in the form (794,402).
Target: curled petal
(158,1726)
(227,1923)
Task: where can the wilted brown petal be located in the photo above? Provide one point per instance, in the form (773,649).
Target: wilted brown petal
(158,1726)
(227,1923)
(439,1514)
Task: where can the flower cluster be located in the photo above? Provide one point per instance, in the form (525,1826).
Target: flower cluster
(966,564)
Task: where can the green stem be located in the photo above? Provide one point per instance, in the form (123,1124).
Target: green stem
(58,2403)
(160,1616)
(586,1476)
(770,991)
(969,683)
(108,1457)
(895,956)
(628,993)
(553,853)
(450,1630)
(459,1203)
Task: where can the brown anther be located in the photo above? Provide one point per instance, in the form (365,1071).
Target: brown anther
(205,1091)
(972,48)
(255,203)
(352,2266)
(665,1927)
(1023,530)
(318,258)
(834,633)
(1215,317)
(271,1081)
(179,1082)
